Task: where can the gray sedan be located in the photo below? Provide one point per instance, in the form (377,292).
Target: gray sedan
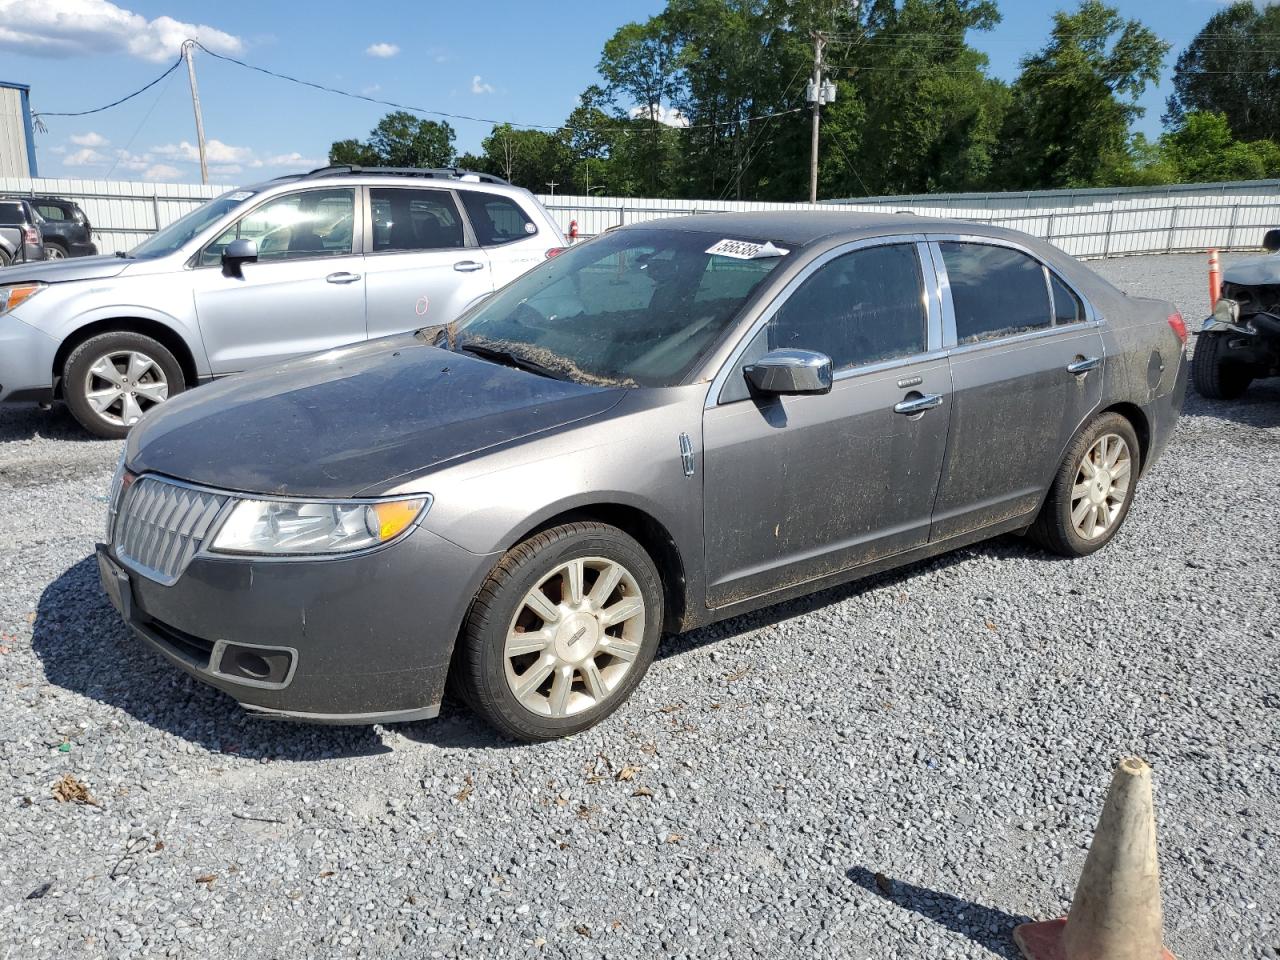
(668,425)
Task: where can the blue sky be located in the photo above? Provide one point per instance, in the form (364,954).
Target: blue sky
(503,59)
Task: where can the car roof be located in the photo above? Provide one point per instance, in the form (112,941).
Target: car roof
(804,227)
(446,178)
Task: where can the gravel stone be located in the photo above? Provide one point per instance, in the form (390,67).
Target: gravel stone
(910,765)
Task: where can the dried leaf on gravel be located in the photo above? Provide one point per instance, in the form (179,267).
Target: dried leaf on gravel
(467,790)
(629,772)
(207,878)
(642,792)
(70,790)
(583,930)
(738,674)
(671,708)
(327,873)
(674,837)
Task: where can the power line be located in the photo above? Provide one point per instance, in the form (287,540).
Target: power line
(123,152)
(115,103)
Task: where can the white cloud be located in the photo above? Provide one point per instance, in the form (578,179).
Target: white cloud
(382,51)
(479,86)
(161,171)
(669,116)
(84,158)
(371,89)
(216,152)
(81,28)
(294,159)
(89,139)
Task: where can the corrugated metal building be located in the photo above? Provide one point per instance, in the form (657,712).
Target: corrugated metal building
(17,144)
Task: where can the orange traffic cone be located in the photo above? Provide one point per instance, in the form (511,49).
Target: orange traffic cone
(1215,279)
(1115,914)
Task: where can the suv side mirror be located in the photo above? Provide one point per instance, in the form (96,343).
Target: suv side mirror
(236,254)
(782,372)
(1271,241)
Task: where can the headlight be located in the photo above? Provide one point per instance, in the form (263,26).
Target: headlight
(11,296)
(292,528)
(1226,311)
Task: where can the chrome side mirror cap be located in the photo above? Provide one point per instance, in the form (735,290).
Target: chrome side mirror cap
(236,254)
(785,372)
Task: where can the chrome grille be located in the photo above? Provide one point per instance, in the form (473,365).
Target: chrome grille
(161,525)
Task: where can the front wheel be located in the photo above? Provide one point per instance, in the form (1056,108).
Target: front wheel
(1216,374)
(111,380)
(1092,490)
(562,632)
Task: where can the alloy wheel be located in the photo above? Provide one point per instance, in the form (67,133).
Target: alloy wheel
(123,385)
(54,252)
(1101,487)
(574,637)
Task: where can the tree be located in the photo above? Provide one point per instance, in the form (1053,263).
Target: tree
(639,63)
(1074,101)
(1232,67)
(399,140)
(1202,150)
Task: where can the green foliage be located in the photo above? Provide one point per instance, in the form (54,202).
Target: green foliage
(399,140)
(1232,67)
(1202,150)
(1074,101)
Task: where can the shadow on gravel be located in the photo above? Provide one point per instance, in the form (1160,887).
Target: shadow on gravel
(85,648)
(1259,407)
(985,926)
(22,422)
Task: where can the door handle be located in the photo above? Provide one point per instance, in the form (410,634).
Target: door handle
(918,404)
(468,266)
(1084,365)
(342,277)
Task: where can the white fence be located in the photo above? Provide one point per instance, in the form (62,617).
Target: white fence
(1087,223)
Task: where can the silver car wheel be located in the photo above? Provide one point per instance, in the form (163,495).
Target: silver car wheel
(574,637)
(1101,487)
(123,385)
(54,252)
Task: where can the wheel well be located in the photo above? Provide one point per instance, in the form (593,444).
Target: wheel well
(1141,426)
(651,535)
(55,242)
(166,336)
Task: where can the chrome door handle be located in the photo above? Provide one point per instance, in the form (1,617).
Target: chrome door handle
(1084,365)
(919,404)
(342,277)
(468,266)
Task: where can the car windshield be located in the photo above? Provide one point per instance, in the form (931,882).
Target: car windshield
(635,307)
(177,234)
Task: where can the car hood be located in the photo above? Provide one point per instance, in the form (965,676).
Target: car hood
(352,420)
(1254,272)
(59,271)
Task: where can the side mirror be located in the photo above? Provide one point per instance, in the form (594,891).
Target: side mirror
(1271,241)
(238,253)
(782,372)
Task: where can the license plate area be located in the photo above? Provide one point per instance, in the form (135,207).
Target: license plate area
(116,585)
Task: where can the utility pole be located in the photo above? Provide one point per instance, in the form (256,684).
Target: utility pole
(188,48)
(815,97)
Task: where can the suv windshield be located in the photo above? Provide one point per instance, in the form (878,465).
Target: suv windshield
(177,234)
(635,307)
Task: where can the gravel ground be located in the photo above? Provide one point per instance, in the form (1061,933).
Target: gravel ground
(905,767)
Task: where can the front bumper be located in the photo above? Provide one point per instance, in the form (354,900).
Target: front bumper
(26,361)
(361,639)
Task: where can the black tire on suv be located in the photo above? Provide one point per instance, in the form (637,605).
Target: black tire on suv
(113,378)
(1216,375)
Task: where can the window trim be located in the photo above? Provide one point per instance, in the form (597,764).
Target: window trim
(932,303)
(529,214)
(951,340)
(357,233)
(468,235)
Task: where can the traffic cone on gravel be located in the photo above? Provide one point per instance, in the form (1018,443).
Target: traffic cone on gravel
(1215,279)
(1116,911)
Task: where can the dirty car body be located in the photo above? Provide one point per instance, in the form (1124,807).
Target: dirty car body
(765,404)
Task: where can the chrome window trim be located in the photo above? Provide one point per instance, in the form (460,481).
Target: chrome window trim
(236,496)
(358,213)
(932,303)
(951,340)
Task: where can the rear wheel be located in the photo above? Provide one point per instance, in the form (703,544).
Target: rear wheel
(561,633)
(111,380)
(1092,490)
(1216,374)
(5,259)
(53,251)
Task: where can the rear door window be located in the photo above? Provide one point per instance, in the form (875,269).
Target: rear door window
(496,219)
(414,220)
(1067,307)
(50,212)
(996,292)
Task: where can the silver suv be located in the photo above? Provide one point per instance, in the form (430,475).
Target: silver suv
(292,266)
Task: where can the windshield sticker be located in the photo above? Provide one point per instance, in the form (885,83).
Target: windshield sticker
(745,250)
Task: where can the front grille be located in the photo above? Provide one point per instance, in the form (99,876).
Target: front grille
(161,525)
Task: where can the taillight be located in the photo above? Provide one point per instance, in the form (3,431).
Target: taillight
(555,252)
(32,234)
(1179,327)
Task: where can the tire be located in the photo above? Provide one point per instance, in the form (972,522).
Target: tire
(54,251)
(582,682)
(1215,374)
(159,379)
(1056,528)
(5,259)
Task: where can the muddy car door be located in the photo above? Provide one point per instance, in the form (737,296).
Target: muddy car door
(1026,362)
(797,487)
